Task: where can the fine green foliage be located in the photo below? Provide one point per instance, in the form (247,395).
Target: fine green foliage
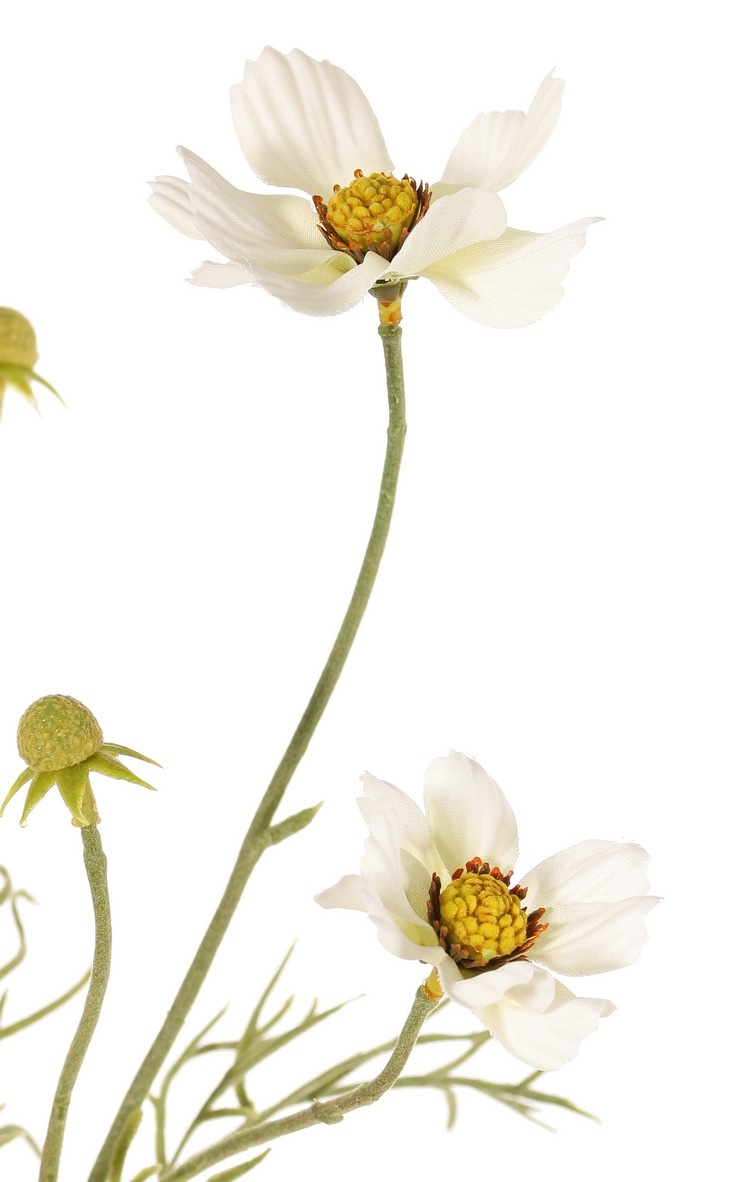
(10,896)
(10,1133)
(255,1044)
(9,899)
(238,1171)
(261,1038)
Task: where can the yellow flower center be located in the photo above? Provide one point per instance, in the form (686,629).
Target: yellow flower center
(479,918)
(57,732)
(17,340)
(483,917)
(374,212)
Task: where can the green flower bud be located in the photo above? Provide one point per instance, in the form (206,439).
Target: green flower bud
(18,356)
(62,743)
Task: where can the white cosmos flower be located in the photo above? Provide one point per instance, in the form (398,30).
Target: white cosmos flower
(304,124)
(438,887)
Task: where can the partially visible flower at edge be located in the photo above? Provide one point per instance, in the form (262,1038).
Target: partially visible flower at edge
(305,124)
(18,356)
(62,743)
(437,885)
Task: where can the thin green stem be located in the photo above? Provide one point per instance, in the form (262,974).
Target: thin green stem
(328,1112)
(259,835)
(96,869)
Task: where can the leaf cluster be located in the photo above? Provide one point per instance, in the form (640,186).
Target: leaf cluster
(230,1097)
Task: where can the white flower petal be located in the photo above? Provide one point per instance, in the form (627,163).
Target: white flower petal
(351,893)
(484,989)
(400,881)
(305,124)
(457,223)
(403,937)
(379,798)
(512,281)
(468,814)
(278,232)
(171,199)
(495,149)
(589,872)
(587,938)
(211,274)
(334,287)
(543,1023)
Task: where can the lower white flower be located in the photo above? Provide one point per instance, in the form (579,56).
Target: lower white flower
(438,886)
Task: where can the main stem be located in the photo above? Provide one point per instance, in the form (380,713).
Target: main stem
(257,839)
(96,869)
(327,1112)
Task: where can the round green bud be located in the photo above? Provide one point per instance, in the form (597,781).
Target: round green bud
(57,732)
(17,340)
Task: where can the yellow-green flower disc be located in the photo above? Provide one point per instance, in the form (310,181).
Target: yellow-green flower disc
(373,211)
(17,340)
(482,917)
(57,732)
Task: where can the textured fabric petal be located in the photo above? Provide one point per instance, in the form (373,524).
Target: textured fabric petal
(409,941)
(589,872)
(305,124)
(171,199)
(211,274)
(495,149)
(468,814)
(512,281)
(350,893)
(401,881)
(333,288)
(457,223)
(485,989)
(543,1023)
(379,798)
(277,232)
(593,937)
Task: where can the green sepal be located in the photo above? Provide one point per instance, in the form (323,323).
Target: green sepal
(118,749)
(21,377)
(24,778)
(37,377)
(239,1171)
(72,782)
(40,786)
(108,765)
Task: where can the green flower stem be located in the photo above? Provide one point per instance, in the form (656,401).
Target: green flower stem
(259,835)
(328,1112)
(96,869)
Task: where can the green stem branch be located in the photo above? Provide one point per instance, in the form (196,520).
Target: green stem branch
(96,869)
(259,834)
(328,1112)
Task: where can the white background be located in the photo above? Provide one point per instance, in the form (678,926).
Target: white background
(564,594)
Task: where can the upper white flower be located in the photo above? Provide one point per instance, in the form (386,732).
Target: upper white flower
(438,887)
(304,124)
